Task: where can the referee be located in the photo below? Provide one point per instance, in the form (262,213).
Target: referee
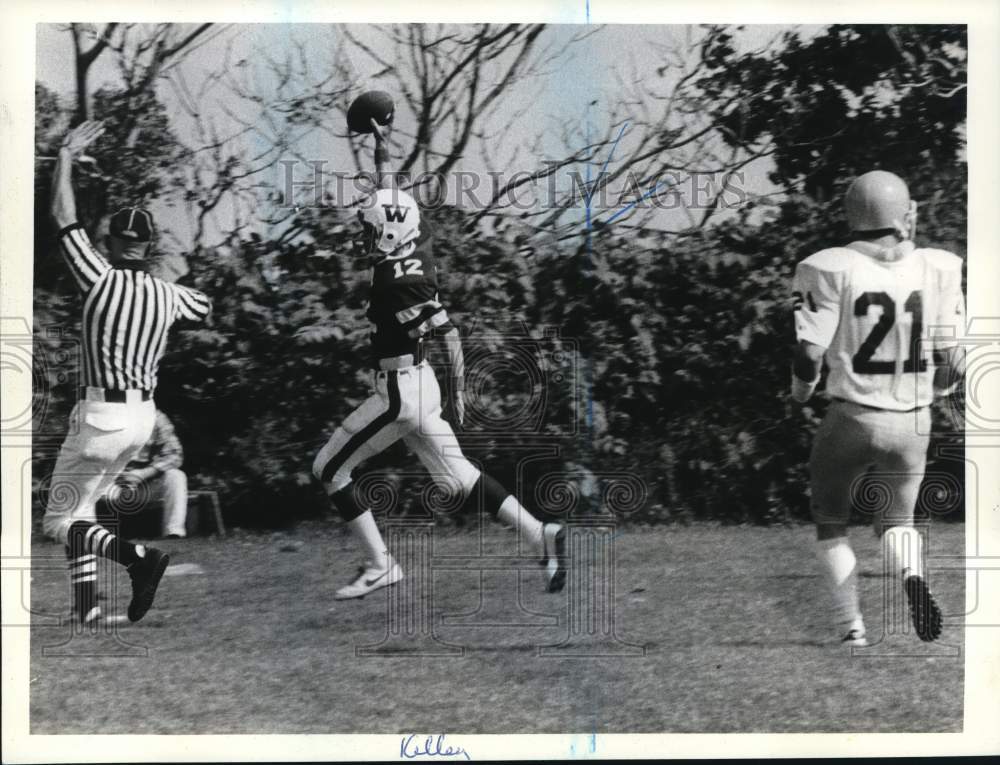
(126,316)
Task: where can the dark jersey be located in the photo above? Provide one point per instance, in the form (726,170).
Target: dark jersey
(403,304)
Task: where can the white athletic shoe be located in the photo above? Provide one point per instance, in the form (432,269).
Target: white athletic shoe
(93,616)
(369,579)
(554,556)
(855,634)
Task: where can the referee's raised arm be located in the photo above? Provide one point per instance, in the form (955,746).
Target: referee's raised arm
(85,263)
(63,203)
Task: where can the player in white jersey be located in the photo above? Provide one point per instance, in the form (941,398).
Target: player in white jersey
(886,316)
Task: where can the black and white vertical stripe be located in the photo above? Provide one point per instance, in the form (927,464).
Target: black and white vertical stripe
(126,316)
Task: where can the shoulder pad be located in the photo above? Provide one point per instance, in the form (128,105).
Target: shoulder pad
(942,260)
(832,259)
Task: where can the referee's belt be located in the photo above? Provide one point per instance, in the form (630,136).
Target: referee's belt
(112,396)
(877,408)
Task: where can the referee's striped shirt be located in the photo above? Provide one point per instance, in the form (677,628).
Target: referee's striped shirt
(126,314)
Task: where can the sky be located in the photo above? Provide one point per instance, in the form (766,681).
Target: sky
(575,94)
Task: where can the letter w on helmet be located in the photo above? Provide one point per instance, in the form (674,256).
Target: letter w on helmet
(390,219)
(395,213)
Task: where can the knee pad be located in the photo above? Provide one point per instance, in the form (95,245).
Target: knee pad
(347,506)
(492,491)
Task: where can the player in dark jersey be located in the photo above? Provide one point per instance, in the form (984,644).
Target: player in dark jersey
(405,311)
(403,305)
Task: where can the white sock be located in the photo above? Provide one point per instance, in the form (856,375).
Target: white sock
(840,570)
(527,526)
(364,528)
(902,547)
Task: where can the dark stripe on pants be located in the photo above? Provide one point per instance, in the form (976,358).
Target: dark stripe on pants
(368,431)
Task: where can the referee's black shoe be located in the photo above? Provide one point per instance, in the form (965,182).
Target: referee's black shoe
(145,574)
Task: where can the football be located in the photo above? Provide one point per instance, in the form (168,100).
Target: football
(375,104)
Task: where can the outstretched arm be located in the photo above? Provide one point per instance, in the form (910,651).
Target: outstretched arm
(383,175)
(85,263)
(63,203)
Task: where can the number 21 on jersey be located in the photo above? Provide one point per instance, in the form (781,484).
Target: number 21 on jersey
(862,362)
(408,267)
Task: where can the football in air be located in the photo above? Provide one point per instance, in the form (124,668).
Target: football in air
(374,105)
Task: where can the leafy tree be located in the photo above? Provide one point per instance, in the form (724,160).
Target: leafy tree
(849,100)
(671,350)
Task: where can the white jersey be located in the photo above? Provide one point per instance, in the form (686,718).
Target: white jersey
(880,321)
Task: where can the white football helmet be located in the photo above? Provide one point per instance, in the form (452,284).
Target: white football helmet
(880,200)
(390,219)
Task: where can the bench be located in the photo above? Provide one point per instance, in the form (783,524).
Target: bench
(204,511)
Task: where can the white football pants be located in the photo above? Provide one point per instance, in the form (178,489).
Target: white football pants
(103,437)
(406,405)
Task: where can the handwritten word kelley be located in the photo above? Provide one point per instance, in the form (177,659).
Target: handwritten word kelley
(413,746)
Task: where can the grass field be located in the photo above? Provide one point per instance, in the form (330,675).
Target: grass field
(732,621)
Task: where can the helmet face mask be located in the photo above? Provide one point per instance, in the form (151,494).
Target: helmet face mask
(910,223)
(368,238)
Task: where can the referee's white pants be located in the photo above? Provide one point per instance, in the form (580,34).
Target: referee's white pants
(406,405)
(103,437)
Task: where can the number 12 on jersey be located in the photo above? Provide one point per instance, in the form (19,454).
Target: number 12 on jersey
(862,360)
(408,267)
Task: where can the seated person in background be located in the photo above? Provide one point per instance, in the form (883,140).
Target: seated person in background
(157,465)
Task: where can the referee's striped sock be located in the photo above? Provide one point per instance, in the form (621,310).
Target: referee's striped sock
(91,538)
(83,583)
